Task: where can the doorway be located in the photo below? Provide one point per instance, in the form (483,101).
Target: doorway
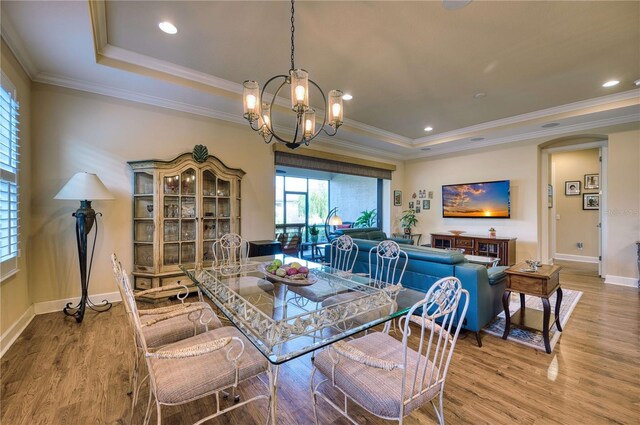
(574,178)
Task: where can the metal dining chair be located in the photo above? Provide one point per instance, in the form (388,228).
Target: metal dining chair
(387,377)
(231,248)
(162,325)
(343,254)
(209,363)
(387,264)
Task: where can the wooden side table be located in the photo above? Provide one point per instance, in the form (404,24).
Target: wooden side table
(541,283)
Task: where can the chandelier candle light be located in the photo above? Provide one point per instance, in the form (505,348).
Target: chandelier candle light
(258,112)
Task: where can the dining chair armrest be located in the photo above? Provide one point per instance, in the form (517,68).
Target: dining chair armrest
(163,310)
(352,353)
(176,313)
(197,349)
(181,286)
(429,324)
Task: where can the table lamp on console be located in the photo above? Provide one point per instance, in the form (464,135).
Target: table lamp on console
(85,187)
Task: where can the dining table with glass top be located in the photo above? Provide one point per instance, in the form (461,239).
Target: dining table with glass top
(287,318)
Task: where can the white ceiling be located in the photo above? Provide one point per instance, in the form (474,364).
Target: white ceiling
(407,64)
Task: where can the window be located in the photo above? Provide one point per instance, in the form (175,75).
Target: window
(300,202)
(9,225)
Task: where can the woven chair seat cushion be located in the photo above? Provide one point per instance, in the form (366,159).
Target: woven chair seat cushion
(182,380)
(174,329)
(375,389)
(317,292)
(369,316)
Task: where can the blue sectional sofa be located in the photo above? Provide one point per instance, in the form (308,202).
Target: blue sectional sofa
(371,234)
(426,265)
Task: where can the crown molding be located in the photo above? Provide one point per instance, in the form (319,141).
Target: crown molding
(522,137)
(16,46)
(104,90)
(544,113)
(101,89)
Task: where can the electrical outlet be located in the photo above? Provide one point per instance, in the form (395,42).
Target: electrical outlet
(580,245)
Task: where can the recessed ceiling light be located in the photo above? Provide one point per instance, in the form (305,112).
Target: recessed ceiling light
(479,95)
(611,83)
(168,27)
(425,149)
(551,124)
(347,96)
(477,139)
(428,129)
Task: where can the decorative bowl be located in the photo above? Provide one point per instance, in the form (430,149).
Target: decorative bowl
(309,280)
(457,232)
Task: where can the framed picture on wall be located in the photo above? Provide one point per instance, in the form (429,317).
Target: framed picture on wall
(397,198)
(426,204)
(590,201)
(550,196)
(417,207)
(572,188)
(411,205)
(591,181)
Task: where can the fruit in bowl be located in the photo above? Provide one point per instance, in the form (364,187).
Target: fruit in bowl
(295,270)
(457,232)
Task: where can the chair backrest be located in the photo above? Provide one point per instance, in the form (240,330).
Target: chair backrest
(124,287)
(343,253)
(435,316)
(231,248)
(387,263)
(291,247)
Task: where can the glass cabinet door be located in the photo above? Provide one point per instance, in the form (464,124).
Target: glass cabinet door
(179,217)
(143,221)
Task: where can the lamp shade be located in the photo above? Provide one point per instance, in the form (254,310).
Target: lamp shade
(335,220)
(84,186)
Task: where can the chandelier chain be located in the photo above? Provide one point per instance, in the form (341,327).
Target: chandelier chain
(293,30)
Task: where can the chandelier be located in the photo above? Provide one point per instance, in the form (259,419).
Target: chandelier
(258,111)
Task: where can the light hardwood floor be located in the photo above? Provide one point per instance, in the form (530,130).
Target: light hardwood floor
(59,372)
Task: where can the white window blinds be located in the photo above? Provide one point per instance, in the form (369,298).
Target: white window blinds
(9,161)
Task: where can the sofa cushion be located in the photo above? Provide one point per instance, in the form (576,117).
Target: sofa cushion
(376,235)
(358,235)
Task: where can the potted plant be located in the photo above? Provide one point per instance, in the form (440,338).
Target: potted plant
(367,219)
(314,232)
(408,220)
(492,232)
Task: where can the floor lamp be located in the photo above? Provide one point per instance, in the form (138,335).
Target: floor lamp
(85,187)
(333,219)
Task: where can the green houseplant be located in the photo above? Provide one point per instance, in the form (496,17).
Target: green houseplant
(314,232)
(408,220)
(367,219)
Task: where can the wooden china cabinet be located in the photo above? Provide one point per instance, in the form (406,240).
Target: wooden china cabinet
(180,207)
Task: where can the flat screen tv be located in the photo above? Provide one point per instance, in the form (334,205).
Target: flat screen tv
(476,200)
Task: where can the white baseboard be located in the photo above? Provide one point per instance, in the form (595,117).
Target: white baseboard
(9,337)
(579,258)
(621,280)
(57,305)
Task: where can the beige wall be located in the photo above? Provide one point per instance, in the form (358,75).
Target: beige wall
(575,224)
(15,295)
(77,131)
(518,164)
(623,205)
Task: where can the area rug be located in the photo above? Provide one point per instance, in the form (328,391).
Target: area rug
(530,338)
